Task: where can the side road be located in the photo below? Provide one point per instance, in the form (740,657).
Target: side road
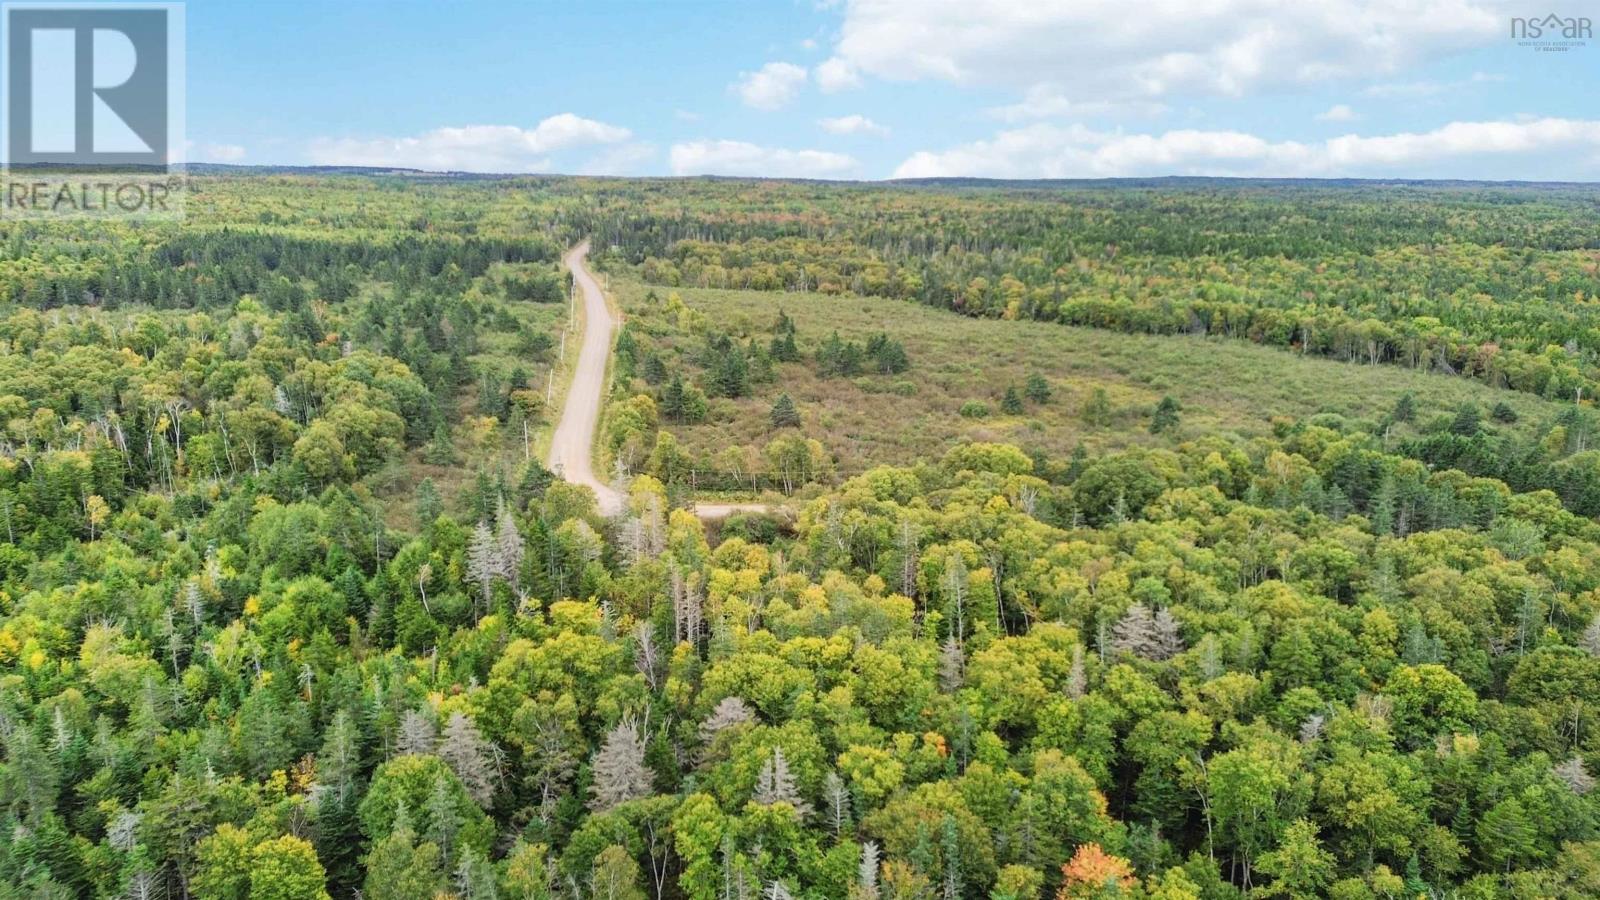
(572,445)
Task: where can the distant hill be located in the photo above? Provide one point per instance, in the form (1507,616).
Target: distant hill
(1167,181)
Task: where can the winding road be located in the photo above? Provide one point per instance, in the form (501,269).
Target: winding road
(572,445)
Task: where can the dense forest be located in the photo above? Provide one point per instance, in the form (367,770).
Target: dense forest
(290,609)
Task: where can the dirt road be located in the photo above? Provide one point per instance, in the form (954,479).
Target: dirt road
(572,446)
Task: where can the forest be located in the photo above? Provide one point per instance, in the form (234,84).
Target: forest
(1238,541)
(1494,283)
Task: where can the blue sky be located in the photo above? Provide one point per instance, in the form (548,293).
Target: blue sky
(886,88)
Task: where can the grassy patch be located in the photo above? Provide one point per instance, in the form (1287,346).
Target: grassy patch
(1224,386)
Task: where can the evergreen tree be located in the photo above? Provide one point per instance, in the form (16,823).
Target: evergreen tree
(483,561)
(655,369)
(417,735)
(1506,835)
(1038,390)
(467,754)
(775,784)
(483,498)
(428,504)
(837,804)
(1468,420)
(867,872)
(888,356)
(783,346)
(836,358)
(672,399)
(531,484)
(338,842)
(443,818)
(1076,463)
(1415,885)
(1405,409)
(1166,416)
(950,849)
(619,769)
(1590,639)
(694,404)
(952,663)
(730,377)
(441,450)
(1168,636)
(1147,635)
(761,364)
(784,414)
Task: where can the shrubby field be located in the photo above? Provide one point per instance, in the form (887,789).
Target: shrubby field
(959,372)
(1305,605)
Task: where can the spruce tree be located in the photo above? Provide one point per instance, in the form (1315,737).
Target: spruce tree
(619,771)
(672,399)
(784,414)
(655,369)
(1166,416)
(783,347)
(441,450)
(467,754)
(1405,409)
(775,784)
(429,506)
(1038,390)
(1468,420)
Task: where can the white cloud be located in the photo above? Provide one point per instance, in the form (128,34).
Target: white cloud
(836,75)
(1538,149)
(219,153)
(473,148)
(567,130)
(1098,50)
(740,158)
(1044,102)
(770,87)
(853,124)
(1339,112)
(1413,90)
